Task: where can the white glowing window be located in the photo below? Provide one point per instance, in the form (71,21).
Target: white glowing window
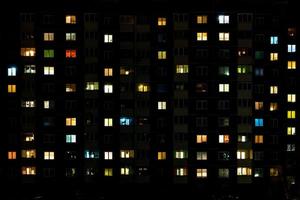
(108,38)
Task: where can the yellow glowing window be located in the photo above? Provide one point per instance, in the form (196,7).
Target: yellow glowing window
(202,36)
(70,19)
(28,52)
(244,171)
(224,87)
(92,86)
(70,87)
(273,56)
(182,69)
(162,21)
(161,155)
(291,64)
(162,55)
(259,139)
(241,154)
(161,105)
(48,70)
(108,122)
(28,137)
(28,170)
(201,138)
(11,155)
(274,172)
(201,155)
(143,88)
(48,36)
(71,53)
(108,171)
(125,171)
(71,121)
(181,154)
(181,171)
(291,98)
(224,36)
(49,155)
(202,173)
(291,130)
(30,153)
(273,89)
(127,153)
(291,114)
(108,71)
(259,105)
(202,19)
(224,139)
(273,106)
(11,88)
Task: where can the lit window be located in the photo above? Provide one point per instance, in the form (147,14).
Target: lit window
(108,38)
(290,147)
(71,53)
(108,171)
(91,154)
(12,71)
(259,122)
(259,105)
(223,172)
(29,69)
(201,155)
(224,71)
(241,155)
(30,153)
(125,171)
(48,36)
(291,98)
(162,55)
(182,69)
(291,64)
(48,53)
(181,154)
(71,138)
(274,172)
(28,137)
(201,36)
(48,155)
(48,70)
(127,153)
(244,69)
(28,104)
(274,40)
(125,121)
(125,70)
(162,105)
(291,32)
(242,138)
(108,122)
(224,139)
(70,36)
(143,87)
(162,21)
(291,114)
(259,139)
(181,171)
(49,104)
(291,130)
(161,155)
(291,48)
(70,19)
(202,173)
(224,36)
(71,121)
(108,155)
(108,88)
(273,106)
(201,138)
(224,87)
(202,19)
(92,86)
(11,155)
(70,87)
(28,52)
(28,170)
(11,88)
(273,56)
(223,19)
(108,71)
(244,171)
(258,172)
(273,89)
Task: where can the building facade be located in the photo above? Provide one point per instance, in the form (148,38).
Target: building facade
(203,97)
